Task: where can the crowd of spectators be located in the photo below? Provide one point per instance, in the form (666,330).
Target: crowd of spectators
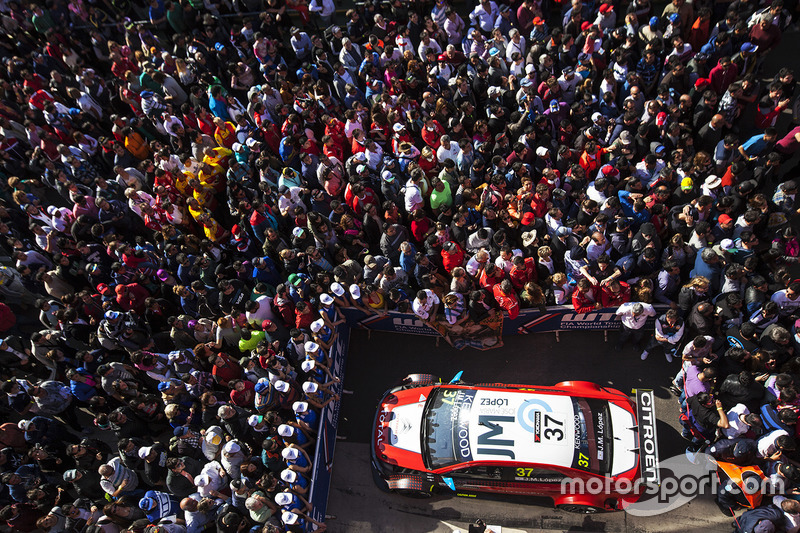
(188,201)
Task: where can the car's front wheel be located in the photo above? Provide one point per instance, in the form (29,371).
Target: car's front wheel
(411,486)
(579,509)
(419,494)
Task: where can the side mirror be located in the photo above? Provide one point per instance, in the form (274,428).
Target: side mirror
(457,377)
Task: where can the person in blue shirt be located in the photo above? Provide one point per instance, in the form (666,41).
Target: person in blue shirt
(758,144)
(158,505)
(633,206)
(264,270)
(81,383)
(297,459)
(306,417)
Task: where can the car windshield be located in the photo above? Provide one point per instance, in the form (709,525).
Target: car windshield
(463,425)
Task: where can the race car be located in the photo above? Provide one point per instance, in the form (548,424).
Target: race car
(589,448)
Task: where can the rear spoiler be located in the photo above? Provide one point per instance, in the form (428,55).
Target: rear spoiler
(648,439)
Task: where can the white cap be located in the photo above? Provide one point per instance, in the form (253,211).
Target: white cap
(144,452)
(251,142)
(290,453)
(300,407)
(317,325)
(285,430)
(307,365)
(289,476)
(236,147)
(254,420)
(283,498)
(24,425)
(231,447)
(289,518)
(202,480)
(281,386)
(311,346)
(355,291)
(337,289)
(325,299)
(214,439)
(310,386)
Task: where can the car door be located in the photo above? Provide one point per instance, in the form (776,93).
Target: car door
(505,479)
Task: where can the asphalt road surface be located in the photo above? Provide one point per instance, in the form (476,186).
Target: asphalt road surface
(375,364)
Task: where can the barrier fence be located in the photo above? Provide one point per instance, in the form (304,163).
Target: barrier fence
(554,319)
(328,425)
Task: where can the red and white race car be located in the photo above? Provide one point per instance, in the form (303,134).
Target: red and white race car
(429,437)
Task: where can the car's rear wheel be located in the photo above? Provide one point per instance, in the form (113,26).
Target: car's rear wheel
(579,509)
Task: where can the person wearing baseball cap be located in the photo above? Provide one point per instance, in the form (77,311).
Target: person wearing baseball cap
(296,459)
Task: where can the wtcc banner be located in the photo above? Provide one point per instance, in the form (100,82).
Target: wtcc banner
(328,426)
(555,318)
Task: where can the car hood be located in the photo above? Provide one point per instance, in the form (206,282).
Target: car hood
(398,428)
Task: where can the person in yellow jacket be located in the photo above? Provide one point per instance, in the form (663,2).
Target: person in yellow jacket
(135,144)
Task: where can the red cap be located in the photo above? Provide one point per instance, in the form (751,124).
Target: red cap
(104,289)
(266,324)
(586,25)
(537,21)
(609,170)
(725,219)
(528,218)
(661,118)
(605,8)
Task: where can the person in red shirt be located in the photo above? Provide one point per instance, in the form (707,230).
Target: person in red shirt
(225,369)
(523,271)
(584,299)
(304,315)
(132,297)
(541,201)
(432,132)
(506,298)
(491,276)
(615,294)
(421,225)
(452,256)
(765,35)
(242,392)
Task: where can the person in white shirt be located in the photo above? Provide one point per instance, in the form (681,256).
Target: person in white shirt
(516,44)
(289,199)
(426,305)
(211,479)
(773,443)
(633,315)
(426,43)
(477,262)
(260,310)
(413,197)
(448,149)
(485,15)
(738,421)
(324,9)
(505,260)
(791,513)
(788,299)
